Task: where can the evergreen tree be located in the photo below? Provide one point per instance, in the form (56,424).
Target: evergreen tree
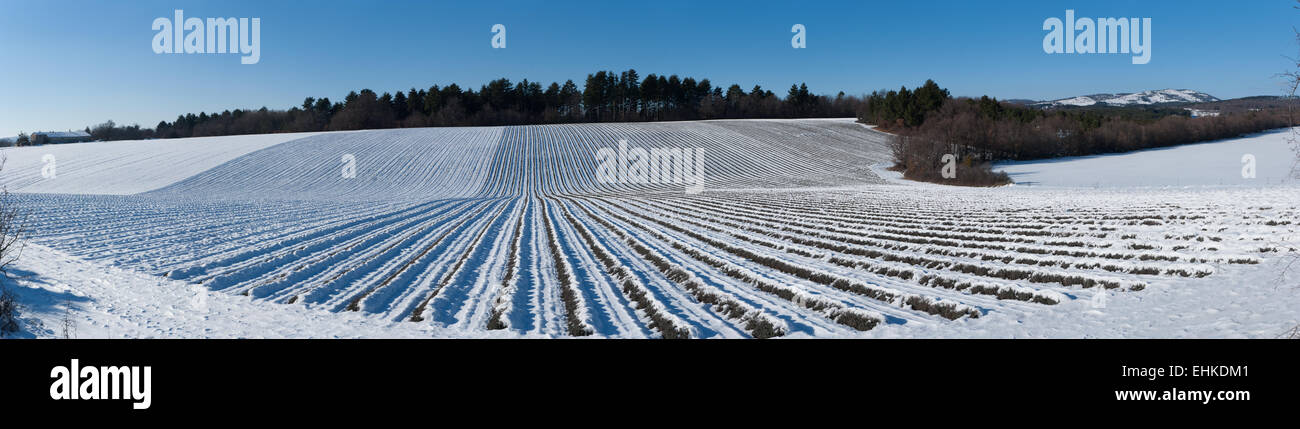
(400,107)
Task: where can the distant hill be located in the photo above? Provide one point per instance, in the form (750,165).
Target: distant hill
(1259,102)
(1144,98)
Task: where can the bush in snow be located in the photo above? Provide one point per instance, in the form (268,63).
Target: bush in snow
(11,245)
(8,312)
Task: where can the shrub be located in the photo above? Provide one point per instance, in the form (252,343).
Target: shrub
(12,222)
(8,312)
(921,159)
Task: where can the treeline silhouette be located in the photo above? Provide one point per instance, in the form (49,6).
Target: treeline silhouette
(1012,132)
(930,124)
(898,110)
(605,96)
(1243,104)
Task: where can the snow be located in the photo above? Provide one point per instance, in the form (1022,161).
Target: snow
(103,301)
(390,165)
(1158,97)
(798,232)
(1138,98)
(1244,302)
(63,134)
(1216,163)
(124,167)
(1077,101)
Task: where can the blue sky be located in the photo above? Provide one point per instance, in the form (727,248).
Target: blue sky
(69,64)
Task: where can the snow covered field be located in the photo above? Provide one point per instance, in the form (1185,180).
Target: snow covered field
(124,167)
(1206,164)
(506,231)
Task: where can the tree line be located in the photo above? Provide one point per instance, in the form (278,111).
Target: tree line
(605,96)
(930,123)
(898,110)
(1009,132)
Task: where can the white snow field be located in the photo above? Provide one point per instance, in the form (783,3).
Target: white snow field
(506,231)
(124,167)
(1216,163)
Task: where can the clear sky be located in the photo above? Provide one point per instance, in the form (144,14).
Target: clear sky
(69,64)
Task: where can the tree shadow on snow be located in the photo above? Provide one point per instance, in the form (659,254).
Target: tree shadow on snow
(37,296)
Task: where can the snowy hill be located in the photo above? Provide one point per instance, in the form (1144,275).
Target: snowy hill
(123,167)
(509,231)
(1144,98)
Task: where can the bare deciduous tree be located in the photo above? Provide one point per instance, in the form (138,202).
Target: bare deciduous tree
(12,222)
(1292,86)
(68,324)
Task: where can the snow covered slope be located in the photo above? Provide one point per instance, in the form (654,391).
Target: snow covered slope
(1216,163)
(507,231)
(428,163)
(104,301)
(1163,96)
(390,165)
(124,167)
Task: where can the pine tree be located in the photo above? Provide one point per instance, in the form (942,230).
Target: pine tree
(399,105)
(571,99)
